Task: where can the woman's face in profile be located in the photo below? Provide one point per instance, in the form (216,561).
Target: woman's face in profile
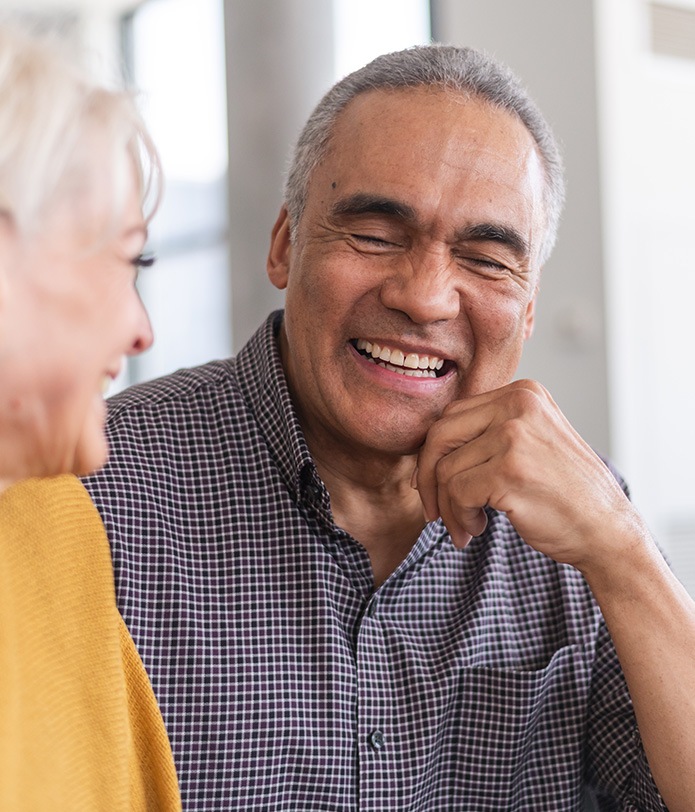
(75,315)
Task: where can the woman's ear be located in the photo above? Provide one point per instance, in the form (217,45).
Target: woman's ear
(278,264)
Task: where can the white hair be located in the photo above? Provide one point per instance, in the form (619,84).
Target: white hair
(464,70)
(58,129)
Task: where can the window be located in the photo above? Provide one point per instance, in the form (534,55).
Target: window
(188,293)
(366,28)
(174,53)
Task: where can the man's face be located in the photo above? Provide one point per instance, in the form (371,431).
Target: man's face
(418,244)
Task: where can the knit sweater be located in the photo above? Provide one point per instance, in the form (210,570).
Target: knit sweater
(80,728)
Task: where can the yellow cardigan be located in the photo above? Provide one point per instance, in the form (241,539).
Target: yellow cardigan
(80,728)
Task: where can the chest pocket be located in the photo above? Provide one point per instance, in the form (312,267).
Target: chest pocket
(513,740)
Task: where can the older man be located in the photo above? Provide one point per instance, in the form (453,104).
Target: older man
(364,569)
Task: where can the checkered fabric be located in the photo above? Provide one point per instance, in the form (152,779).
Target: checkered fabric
(476,679)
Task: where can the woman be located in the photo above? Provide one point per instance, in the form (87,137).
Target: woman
(79,725)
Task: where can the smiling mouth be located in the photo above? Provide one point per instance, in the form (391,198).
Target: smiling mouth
(110,376)
(411,364)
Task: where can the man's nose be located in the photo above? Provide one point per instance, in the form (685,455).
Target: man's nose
(423,286)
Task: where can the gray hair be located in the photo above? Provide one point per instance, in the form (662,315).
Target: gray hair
(460,69)
(58,129)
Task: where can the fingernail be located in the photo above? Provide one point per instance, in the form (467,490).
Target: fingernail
(460,538)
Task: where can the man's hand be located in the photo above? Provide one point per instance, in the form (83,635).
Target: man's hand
(514,450)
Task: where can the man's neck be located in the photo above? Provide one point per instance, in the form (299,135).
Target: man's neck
(372,499)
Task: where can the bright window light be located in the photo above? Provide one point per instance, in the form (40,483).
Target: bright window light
(366,28)
(178,58)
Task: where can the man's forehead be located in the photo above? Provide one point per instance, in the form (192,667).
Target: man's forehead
(429,128)
(435,99)
(379,124)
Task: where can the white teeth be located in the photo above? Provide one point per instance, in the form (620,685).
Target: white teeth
(397,358)
(410,373)
(413,364)
(363,344)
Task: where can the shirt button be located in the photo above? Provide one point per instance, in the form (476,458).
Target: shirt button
(370,611)
(376,740)
(313,492)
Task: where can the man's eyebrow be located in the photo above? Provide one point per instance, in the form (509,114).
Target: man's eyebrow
(495,232)
(361,203)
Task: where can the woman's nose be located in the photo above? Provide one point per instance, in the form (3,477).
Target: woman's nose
(144,337)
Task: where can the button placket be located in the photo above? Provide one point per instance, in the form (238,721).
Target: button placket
(375,705)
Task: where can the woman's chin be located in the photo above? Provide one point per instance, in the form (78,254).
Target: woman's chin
(90,457)
(92,449)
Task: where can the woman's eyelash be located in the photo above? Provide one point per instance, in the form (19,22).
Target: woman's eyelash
(144,260)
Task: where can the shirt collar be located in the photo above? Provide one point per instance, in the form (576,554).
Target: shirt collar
(262,381)
(264,386)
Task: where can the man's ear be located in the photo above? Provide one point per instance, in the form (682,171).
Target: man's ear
(530,317)
(278,264)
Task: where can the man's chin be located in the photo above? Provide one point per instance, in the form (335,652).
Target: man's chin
(397,441)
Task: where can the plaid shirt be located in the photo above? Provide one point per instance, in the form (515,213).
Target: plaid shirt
(475,679)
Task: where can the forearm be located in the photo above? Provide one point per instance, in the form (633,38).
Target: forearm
(651,619)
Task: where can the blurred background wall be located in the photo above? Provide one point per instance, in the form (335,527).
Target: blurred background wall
(226,85)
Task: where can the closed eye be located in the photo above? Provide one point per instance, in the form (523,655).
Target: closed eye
(488,263)
(368,238)
(484,264)
(371,240)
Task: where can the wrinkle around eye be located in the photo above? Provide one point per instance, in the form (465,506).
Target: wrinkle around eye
(369,245)
(370,229)
(371,239)
(495,270)
(483,262)
(325,233)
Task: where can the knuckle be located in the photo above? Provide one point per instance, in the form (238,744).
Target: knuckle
(532,386)
(516,468)
(513,431)
(528,399)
